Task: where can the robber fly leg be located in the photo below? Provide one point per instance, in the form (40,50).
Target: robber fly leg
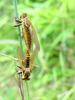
(17,25)
(18,22)
(19,71)
(19,67)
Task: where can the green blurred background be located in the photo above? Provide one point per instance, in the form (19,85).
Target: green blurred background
(54,78)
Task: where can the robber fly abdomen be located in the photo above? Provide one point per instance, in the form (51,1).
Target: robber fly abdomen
(27,37)
(27,59)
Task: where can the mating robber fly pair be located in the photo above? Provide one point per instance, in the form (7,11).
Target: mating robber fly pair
(30,38)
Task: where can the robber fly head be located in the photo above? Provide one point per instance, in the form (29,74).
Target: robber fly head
(24,15)
(24,20)
(26,74)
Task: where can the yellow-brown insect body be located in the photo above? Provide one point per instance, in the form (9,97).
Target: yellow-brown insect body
(26,66)
(27,37)
(26,30)
(27,59)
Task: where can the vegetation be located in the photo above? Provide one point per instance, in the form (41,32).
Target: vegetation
(54,78)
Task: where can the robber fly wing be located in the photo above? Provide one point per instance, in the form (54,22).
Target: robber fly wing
(19,55)
(34,38)
(33,59)
(20,85)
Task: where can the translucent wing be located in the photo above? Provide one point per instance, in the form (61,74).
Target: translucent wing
(36,43)
(34,38)
(32,61)
(19,55)
(19,76)
(20,85)
(21,61)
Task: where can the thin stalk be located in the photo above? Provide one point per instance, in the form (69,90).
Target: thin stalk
(27,89)
(20,84)
(20,42)
(21,46)
(19,31)
(8,56)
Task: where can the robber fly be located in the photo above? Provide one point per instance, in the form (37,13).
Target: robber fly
(28,32)
(25,23)
(24,68)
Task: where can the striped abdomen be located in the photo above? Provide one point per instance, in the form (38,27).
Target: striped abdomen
(27,59)
(27,37)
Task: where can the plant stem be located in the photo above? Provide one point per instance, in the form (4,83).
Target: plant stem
(20,43)
(21,46)
(27,89)
(19,31)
